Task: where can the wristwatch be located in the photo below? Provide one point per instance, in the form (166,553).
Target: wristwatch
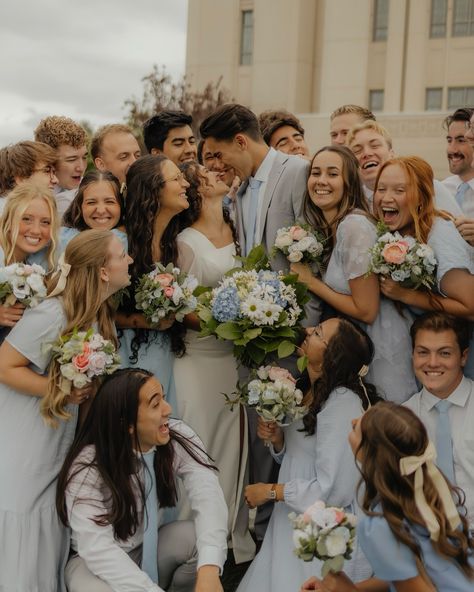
(272,494)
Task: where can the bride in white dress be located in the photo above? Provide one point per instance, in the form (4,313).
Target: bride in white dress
(207,249)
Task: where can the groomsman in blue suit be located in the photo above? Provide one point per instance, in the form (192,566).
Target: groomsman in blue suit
(270,197)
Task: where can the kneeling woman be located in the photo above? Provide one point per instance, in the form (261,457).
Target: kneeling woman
(117,479)
(315,456)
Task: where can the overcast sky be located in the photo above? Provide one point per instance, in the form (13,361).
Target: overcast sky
(82,58)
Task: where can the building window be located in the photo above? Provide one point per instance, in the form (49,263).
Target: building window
(376,100)
(461,96)
(246,41)
(380,29)
(434,99)
(463,18)
(439,10)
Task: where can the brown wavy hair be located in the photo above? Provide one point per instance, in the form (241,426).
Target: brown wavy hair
(145,182)
(420,193)
(193,175)
(391,432)
(353,199)
(83,306)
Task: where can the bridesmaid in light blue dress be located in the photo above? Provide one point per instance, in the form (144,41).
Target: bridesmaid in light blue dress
(335,203)
(98,204)
(156,193)
(388,435)
(33,543)
(28,231)
(454,292)
(315,456)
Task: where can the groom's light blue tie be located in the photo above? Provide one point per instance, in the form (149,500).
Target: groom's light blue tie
(444,442)
(461,192)
(252,215)
(150,531)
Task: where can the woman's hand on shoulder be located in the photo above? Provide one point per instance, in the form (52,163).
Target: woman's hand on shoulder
(10,315)
(271,432)
(208,579)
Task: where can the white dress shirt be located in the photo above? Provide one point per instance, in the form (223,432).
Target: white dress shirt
(262,175)
(461,419)
(107,557)
(452,185)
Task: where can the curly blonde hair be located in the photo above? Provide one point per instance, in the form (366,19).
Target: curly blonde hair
(57,131)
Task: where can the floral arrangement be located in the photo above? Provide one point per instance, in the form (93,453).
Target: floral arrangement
(300,243)
(272,391)
(82,356)
(23,283)
(403,259)
(258,311)
(165,291)
(325,533)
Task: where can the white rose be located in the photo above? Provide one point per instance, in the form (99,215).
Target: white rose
(283,240)
(336,543)
(299,535)
(295,256)
(80,380)
(37,284)
(305,243)
(68,371)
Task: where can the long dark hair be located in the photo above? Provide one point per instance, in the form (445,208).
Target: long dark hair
(346,353)
(107,428)
(193,175)
(353,199)
(389,433)
(144,184)
(73,217)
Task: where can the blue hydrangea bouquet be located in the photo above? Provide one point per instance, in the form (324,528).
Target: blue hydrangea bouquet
(259,310)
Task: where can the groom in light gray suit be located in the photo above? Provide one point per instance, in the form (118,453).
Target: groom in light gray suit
(270,197)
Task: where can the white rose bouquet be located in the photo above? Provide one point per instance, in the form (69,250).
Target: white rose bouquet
(325,533)
(83,356)
(300,243)
(403,259)
(272,391)
(23,283)
(165,291)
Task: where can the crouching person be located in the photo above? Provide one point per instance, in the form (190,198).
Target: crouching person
(119,476)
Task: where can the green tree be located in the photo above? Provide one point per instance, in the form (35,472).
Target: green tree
(161,92)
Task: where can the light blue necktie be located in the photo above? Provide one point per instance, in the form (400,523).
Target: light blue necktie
(252,215)
(444,442)
(461,192)
(150,531)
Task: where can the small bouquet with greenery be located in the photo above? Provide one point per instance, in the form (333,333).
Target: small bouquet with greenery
(325,533)
(166,291)
(272,391)
(257,310)
(403,259)
(83,356)
(300,243)
(23,283)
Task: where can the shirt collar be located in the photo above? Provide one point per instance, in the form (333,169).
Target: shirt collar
(264,169)
(458,397)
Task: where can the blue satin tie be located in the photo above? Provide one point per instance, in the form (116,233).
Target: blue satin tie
(444,442)
(150,531)
(250,226)
(460,193)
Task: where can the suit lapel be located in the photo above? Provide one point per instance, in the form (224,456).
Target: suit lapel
(240,214)
(273,178)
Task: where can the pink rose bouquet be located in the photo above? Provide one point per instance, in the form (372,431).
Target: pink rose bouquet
(403,259)
(83,356)
(325,533)
(165,291)
(300,243)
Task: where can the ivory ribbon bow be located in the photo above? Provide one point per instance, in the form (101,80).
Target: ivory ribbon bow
(63,270)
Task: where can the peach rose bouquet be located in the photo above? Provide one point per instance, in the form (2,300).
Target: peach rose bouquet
(326,533)
(83,356)
(166,291)
(403,259)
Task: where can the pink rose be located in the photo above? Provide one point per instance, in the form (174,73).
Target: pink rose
(81,362)
(395,252)
(164,279)
(276,373)
(169,291)
(97,363)
(297,233)
(339,516)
